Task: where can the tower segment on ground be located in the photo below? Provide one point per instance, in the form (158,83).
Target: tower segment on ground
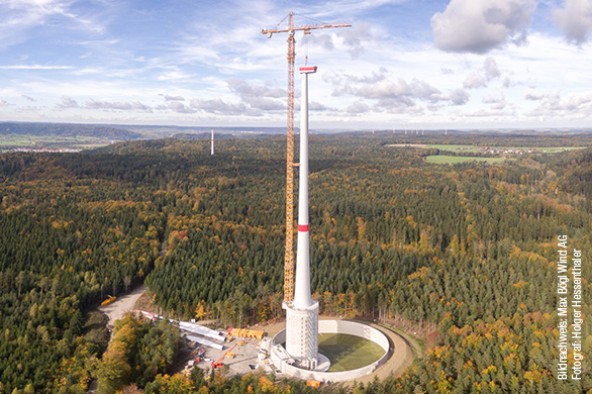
(289,253)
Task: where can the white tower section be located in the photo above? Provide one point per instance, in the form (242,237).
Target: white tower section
(212,144)
(302,315)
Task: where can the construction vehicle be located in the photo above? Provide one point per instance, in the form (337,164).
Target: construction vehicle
(198,354)
(199,351)
(313,383)
(109,300)
(220,362)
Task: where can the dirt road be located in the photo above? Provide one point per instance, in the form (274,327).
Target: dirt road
(122,305)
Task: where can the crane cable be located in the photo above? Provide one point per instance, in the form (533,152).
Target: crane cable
(305,42)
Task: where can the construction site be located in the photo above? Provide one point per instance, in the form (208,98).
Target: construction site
(318,350)
(304,347)
(375,351)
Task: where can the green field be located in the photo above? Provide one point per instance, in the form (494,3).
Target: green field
(455,148)
(443,159)
(348,352)
(49,142)
(473,148)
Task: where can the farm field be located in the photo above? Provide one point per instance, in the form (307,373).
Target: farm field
(445,159)
(457,148)
(474,148)
(50,142)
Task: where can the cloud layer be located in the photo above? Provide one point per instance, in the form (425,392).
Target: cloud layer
(480,25)
(575,19)
(454,62)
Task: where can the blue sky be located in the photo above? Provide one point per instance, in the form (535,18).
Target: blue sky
(403,63)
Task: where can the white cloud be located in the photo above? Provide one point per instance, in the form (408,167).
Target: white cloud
(174,75)
(258,98)
(355,37)
(213,65)
(320,10)
(324,41)
(578,105)
(315,106)
(480,25)
(181,108)
(575,19)
(496,102)
(218,106)
(19,16)
(480,79)
(474,80)
(117,105)
(384,89)
(245,89)
(260,104)
(379,86)
(67,102)
(534,95)
(358,107)
(172,98)
(490,68)
(393,95)
(394,105)
(458,97)
(36,67)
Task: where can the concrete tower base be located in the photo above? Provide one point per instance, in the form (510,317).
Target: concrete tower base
(286,364)
(302,335)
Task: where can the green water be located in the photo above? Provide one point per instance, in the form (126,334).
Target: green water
(348,352)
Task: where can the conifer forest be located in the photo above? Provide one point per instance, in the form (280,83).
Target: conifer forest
(467,249)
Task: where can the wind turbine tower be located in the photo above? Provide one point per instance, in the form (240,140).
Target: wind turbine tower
(302,315)
(289,253)
(212,144)
(295,350)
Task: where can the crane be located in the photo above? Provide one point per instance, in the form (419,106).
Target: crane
(220,362)
(289,253)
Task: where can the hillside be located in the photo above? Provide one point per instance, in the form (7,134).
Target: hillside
(67,129)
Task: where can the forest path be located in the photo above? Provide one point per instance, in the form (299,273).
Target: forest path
(122,305)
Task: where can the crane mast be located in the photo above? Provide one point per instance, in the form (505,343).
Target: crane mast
(289,252)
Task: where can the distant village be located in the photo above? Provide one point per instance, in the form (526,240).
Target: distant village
(501,151)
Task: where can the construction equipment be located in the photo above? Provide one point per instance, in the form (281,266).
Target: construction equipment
(289,253)
(246,333)
(220,362)
(313,383)
(199,354)
(109,300)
